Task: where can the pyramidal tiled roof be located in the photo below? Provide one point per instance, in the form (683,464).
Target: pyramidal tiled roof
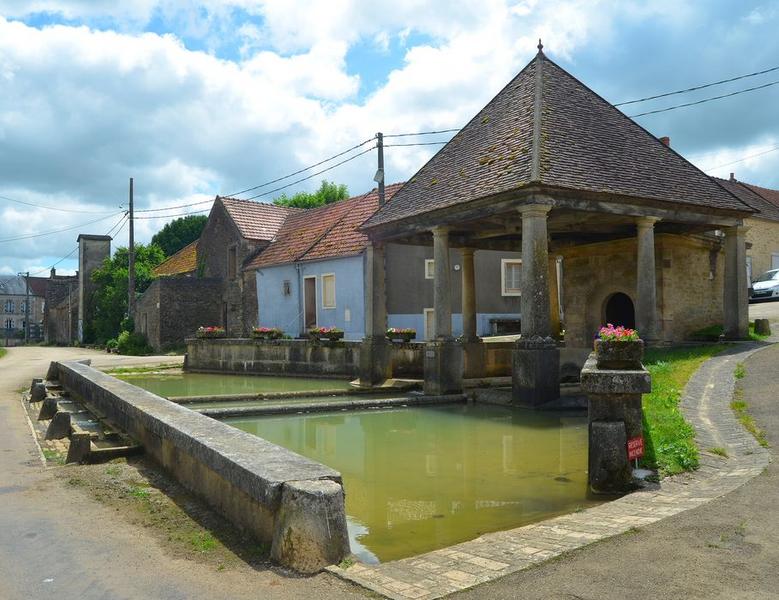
(547,128)
(751,195)
(326,232)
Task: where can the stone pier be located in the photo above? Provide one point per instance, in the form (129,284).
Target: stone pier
(736,301)
(536,372)
(473,347)
(375,363)
(646,292)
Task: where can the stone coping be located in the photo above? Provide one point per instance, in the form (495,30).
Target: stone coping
(252,464)
(706,405)
(330,405)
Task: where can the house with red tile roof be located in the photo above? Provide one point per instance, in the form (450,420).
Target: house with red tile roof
(311,274)
(206,282)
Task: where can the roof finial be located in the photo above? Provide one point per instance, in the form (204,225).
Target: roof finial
(540,46)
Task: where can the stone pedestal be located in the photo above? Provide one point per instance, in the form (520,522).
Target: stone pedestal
(535,371)
(443,367)
(615,416)
(375,361)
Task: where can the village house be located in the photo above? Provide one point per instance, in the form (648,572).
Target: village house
(311,275)
(13,306)
(206,283)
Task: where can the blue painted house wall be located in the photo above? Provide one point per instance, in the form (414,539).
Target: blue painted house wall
(286,312)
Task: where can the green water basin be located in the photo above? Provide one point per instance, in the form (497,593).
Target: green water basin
(208,384)
(418,479)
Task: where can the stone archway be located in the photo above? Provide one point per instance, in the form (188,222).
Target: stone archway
(618,309)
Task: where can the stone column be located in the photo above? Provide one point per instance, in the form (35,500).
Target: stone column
(735,301)
(554,300)
(536,363)
(375,351)
(646,293)
(472,345)
(444,355)
(442,289)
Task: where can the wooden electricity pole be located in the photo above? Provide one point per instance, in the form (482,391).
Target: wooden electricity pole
(131,265)
(380,172)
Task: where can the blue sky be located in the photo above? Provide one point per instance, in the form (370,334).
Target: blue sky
(194,100)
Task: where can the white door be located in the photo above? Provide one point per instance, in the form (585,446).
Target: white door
(429,323)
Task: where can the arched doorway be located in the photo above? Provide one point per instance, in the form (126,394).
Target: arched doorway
(619,310)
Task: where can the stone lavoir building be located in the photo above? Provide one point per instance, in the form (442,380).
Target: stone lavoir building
(553,169)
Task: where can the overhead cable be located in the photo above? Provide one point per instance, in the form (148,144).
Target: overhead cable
(392,135)
(774,149)
(71,210)
(53,231)
(736,93)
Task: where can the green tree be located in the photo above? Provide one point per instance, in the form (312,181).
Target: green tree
(179,232)
(110,296)
(327,193)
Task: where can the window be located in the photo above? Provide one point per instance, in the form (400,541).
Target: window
(22,307)
(9,307)
(429,268)
(328,291)
(510,276)
(232,267)
(9,323)
(286,288)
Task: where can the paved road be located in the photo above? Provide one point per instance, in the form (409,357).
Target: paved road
(724,549)
(764,310)
(54,547)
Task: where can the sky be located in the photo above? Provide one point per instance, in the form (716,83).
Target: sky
(194,100)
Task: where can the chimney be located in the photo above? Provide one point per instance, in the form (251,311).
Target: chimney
(733,177)
(666,140)
(53,272)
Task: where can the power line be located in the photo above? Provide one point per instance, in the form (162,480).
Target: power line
(184,214)
(774,149)
(417,144)
(736,93)
(72,210)
(331,167)
(34,235)
(391,135)
(698,87)
(69,254)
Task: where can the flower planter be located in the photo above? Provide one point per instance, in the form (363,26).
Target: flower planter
(402,339)
(267,333)
(615,354)
(326,334)
(210,333)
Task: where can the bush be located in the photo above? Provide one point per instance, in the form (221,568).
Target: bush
(133,344)
(111,344)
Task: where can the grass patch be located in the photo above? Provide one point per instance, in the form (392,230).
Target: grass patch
(203,541)
(3,352)
(669,439)
(719,451)
(146,369)
(54,456)
(740,371)
(739,407)
(712,333)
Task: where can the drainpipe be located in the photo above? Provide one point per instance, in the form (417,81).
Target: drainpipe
(301,314)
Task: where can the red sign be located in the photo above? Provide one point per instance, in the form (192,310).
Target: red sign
(635,448)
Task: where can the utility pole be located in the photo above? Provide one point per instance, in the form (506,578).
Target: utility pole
(379,177)
(131,265)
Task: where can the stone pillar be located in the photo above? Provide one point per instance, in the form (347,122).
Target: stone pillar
(536,363)
(735,301)
(444,355)
(646,293)
(473,347)
(375,351)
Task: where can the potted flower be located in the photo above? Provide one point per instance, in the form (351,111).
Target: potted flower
(618,348)
(399,334)
(331,334)
(210,332)
(267,333)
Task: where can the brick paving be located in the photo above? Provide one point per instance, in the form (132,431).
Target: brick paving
(705,404)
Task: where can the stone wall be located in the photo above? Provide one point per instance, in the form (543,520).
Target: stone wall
(764,237)
(281,498)
(689,283)
(55,313)
(172,309)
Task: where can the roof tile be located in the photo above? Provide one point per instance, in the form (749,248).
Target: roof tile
(257,221)
(183,261)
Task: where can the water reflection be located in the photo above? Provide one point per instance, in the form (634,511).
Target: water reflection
(423,478)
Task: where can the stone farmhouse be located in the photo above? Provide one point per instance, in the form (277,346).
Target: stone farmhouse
(13,306)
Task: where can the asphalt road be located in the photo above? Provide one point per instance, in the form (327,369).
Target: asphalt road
(764,310)
(55,543)
(724,549)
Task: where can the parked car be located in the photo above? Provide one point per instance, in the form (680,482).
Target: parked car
(765,287)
